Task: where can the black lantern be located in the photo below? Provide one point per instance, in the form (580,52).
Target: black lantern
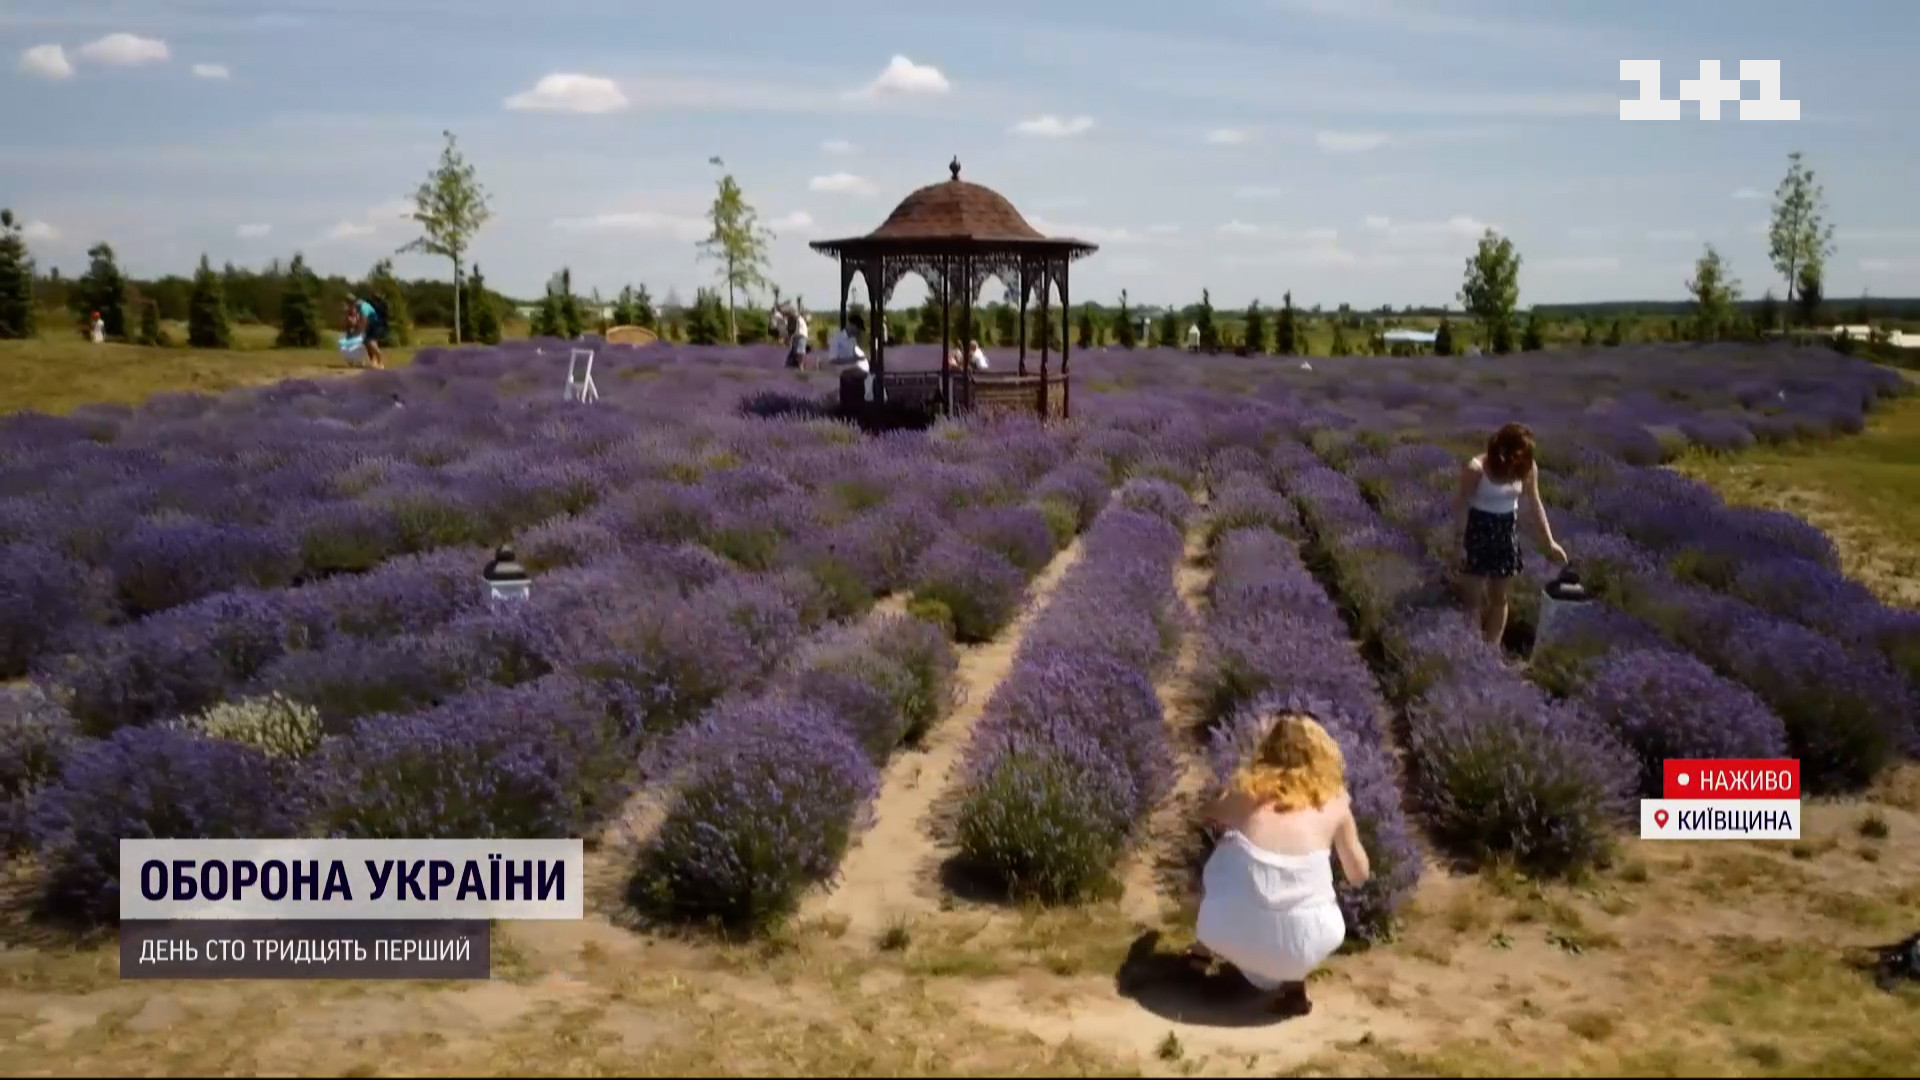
(1562,594)
(505,578)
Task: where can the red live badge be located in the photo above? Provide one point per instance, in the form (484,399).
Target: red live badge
(1728,778)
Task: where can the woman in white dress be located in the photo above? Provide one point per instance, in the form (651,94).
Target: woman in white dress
(1268,906)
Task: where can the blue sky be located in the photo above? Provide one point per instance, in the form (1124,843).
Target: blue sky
(1347,150)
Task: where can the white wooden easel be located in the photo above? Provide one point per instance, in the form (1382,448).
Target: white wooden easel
(580,377)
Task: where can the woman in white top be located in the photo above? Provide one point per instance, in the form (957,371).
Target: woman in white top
(975,357)
(1494,488)
(1268,906)
(797,342)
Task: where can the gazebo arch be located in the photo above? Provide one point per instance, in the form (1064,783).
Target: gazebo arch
(958,234)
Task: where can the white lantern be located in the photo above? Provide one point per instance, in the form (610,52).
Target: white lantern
(1563,594)
(505,578)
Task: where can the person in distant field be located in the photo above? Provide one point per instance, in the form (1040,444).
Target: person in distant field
(364,319)
(797,345)
(976,358)
(1495,488)
(1193,338)
(777,323)
(843,347)
(99,332)
(1268,905)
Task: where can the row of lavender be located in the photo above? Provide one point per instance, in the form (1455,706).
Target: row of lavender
(396,703)
(1731,631)
(764,794)
(1276,643)
(1073,752)
(1497,769)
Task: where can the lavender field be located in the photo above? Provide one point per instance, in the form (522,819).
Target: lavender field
(262,614)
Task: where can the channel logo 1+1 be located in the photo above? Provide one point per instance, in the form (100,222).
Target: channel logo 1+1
(1709,90)
(1724,800)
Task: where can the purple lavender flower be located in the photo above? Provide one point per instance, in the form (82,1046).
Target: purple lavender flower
(1666,704)
(768,794)
(981,589)
(1017,533)
(164,564)
(154,782)
(36,738)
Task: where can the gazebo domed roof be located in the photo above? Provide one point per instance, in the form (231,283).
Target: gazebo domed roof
(956,209)
(954,212)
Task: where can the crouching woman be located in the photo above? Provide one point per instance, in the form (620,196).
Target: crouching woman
(1268,906)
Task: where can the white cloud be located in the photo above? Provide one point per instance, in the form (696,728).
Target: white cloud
(125,50)
(1350,142)
(798,221)
(1228,137)
(1049,126)
(46,61)
(1748,193)
(842,183)
(1321,236)
(679,226)
(560,92)
(1163,230)
(1377,222)
(1460,229)
(381,217)
(252,232)
(1239,228)
(1257,191)
(1100,234)
(837,146)
(902,77)
(1672,235)
(211,71)
(1582,264)
(1885,265)
(350,230)
(39,230)
(1593,232)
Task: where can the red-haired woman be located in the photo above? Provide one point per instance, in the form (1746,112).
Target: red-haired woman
(1495,488)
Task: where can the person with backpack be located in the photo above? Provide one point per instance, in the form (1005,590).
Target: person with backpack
(366,319)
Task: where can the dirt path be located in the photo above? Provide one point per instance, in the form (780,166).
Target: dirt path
(892,872)
(1155,877)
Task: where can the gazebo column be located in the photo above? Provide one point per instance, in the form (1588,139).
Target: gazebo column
(847,272)
(966,324)
(1066,344)
(945,295)
(1046,320)
(877,268)
(1026,289)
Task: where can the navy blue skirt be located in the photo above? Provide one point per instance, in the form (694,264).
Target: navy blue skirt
(1493,544)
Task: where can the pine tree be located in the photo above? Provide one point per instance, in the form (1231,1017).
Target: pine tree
(548,319)
(1810,293)
(1616,334)
(643,315)
(926,330)
(707,322)
(1006,326)
(479,310)
(1502,337)
(1125,334)
(623,307)
(17,308)
(383,287)
(150,332)
(207,325)
(1341,347)
(1167,331)
(103,289)
(1043,332)
(572,320)
(299,308)
(1769,315)
(1209,333)
(1256,328)
(1087,335)
(1443,338)
(1534,338)
(1286,329)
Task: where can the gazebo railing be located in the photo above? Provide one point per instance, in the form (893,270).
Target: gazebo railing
(986,391)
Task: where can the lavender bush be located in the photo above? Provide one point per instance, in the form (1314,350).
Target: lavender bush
(156,782)
(36,738)
(766,798)
(979,587)
(1665,704)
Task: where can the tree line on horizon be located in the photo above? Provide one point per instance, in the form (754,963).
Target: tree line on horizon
(451,206)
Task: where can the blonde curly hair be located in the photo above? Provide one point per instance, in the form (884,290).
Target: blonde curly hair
(1297,766)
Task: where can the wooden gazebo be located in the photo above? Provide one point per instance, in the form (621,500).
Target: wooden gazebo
(955,235)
